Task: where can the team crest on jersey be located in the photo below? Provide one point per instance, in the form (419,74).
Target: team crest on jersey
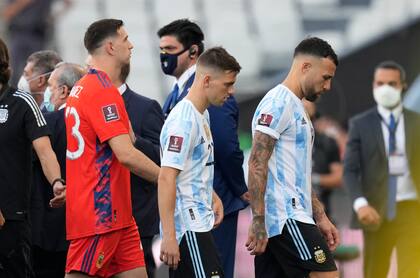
(319,255)
(175,144)
(110,113)
(265,120)
(100,260)
(4,114)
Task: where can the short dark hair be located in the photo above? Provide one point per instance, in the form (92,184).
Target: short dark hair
(98,31)
(44,61)
(187,32)
(316,47)
(219,59)
(394,66)
(5,70)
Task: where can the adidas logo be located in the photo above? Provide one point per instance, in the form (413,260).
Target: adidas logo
(303,121)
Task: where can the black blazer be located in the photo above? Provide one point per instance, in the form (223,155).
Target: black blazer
(49,224)
(147,120)
(366,163)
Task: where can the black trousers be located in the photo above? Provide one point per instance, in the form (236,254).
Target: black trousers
(15,251)
(225,238)
(146,243)
(402,233)
(48,264)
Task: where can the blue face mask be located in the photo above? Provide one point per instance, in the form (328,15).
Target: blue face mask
(47,98)
(169,62)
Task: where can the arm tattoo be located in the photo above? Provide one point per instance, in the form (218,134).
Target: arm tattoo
(317,207)
(262,149)
(258,226)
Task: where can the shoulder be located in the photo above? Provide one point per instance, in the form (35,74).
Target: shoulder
(54,116)
(279,96)
(25,99)
(139,99)
(363,116)
(94,83)
(184,109)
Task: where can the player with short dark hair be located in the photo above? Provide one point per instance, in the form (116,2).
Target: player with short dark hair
(188,206)
(104,240)
(290,231)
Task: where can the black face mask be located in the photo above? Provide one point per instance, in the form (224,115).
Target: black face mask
(169,62)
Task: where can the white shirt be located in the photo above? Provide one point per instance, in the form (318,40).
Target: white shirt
(122,88)
(405,186)
(281,115)
(182,80)
(187,145)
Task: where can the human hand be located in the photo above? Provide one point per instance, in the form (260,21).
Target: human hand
(367,215)
(218,210)
(329,231)
(59,199)
(169,252)
(2,220)
(257,236)
(246,197)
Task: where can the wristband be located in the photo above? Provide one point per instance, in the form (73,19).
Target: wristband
(58,179)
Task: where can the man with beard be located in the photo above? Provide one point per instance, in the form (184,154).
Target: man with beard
(146,118)
(104,240)
(290,231)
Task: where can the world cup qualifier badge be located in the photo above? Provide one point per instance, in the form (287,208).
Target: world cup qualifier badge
(265,119)
(4,114)
(110,113)
(175,144)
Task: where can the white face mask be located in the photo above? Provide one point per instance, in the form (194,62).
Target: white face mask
(387,96)
(23,84)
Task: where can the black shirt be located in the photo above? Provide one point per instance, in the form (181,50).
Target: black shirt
(21,122)
(325,152)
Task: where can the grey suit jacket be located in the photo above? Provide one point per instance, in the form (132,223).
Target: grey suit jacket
(366,163)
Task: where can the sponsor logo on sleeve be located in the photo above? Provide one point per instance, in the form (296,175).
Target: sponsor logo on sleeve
(175,144)
(110,113)
(265,120)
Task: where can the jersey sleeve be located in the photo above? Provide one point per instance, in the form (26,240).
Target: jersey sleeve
(107,114)
(273,117)
(176,141)
(34,122)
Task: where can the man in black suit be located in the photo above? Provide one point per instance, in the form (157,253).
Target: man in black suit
(382,172)
(181,43)
(48,224)
(146,118)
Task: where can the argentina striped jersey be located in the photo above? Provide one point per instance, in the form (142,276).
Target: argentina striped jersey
(187,145)
(281,115)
